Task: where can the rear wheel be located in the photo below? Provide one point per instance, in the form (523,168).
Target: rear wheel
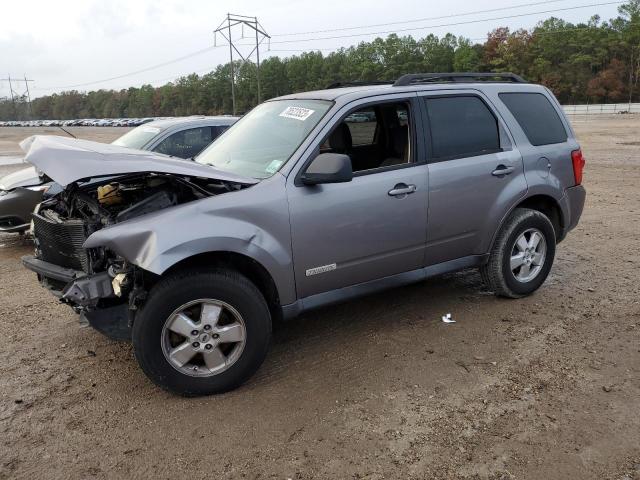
(202,332)
(522,254)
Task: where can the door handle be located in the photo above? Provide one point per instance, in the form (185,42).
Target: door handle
(402,189)
(502,170)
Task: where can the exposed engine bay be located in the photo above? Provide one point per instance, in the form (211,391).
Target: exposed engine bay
(96,278)
(100,204)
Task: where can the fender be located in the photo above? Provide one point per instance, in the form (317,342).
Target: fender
(159,240)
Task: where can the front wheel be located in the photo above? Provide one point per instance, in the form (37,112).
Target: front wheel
(522,255)
(202,332)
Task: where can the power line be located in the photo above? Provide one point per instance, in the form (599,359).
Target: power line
(467,22)
(400,22)
(160,65)
(303,50)
(311,50)
(176,77)
(400,43)
(167,79)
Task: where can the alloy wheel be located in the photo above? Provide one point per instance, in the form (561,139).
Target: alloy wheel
(203,338)
(528,255)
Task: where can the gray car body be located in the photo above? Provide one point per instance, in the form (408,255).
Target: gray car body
(17,201)
(169,126)
(326,243)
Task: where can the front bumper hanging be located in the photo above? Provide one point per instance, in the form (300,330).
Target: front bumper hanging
(80,289)
(83,292)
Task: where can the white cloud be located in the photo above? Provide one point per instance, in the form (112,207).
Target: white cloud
(76,41)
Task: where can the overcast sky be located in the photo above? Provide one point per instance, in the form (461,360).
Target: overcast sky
(71,42)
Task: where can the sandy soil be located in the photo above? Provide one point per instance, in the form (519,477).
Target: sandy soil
(543,387)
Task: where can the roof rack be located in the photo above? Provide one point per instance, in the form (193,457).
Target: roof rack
(357,84)
(413,78)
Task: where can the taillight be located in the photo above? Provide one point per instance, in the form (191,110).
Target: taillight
(578,165)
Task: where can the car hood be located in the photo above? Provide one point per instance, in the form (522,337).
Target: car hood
(67,160)
(22,178)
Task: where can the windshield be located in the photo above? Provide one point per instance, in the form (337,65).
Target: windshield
(260,143)
(138,137)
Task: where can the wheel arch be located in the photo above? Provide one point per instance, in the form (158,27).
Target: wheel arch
(550,207)
(247,266)
(543,203)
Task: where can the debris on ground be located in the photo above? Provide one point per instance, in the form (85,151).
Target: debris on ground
(447,319)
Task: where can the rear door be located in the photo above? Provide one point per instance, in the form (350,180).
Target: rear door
(544,143)
(475,174)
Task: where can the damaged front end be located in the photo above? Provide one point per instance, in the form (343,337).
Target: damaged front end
(105,288)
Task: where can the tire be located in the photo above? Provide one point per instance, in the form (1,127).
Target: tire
(187,302)
(497,273)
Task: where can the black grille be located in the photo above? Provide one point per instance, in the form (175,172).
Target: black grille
(60,243)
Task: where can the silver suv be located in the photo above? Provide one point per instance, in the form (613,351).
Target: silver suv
(308,200)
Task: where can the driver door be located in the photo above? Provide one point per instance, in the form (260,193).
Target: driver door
(371,227)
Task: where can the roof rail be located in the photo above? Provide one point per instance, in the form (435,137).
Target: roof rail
(413,78)
(357,84)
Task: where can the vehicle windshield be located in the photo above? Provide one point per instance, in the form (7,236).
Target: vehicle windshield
(138,137)
(260,143)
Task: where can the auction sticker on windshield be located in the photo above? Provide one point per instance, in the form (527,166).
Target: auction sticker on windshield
(299,113)
(274,166)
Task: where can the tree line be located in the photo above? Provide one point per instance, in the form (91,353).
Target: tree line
(593,62)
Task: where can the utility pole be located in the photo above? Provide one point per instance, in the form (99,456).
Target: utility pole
(15,94)
(233,89)
(13,100)
(26,86)
(225,30)
(257,61)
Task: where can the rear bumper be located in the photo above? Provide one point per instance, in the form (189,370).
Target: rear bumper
(575,197)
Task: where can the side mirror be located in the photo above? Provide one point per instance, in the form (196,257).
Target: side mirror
(328,168)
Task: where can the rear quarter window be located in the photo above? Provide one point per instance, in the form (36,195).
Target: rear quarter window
(536,116)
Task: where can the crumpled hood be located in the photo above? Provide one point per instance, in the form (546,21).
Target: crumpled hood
(66,160)
(22,178)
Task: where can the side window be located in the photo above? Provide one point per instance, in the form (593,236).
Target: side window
(362,125)
(536,116)
(461,126)
(186,143)
(218,130)
(376,136)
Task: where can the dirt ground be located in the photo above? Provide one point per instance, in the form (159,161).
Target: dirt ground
(10,137)
(543,387)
